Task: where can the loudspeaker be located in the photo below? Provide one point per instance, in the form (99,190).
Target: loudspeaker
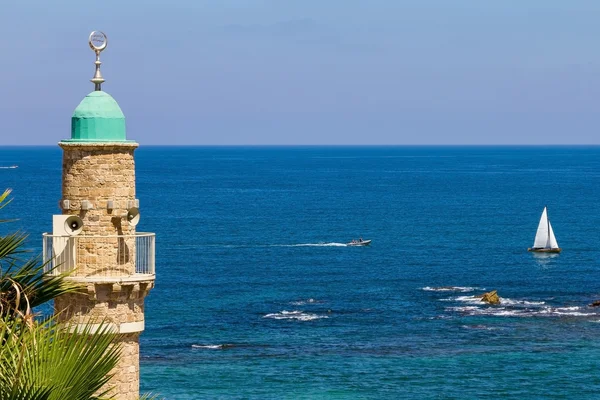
(73,225)
(66,225)
(64,230)
(133,216)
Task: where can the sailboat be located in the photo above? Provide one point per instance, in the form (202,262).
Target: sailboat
(545,241)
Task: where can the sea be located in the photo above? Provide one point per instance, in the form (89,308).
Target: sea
(258,295)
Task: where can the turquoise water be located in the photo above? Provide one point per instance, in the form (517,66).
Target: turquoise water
(257,297)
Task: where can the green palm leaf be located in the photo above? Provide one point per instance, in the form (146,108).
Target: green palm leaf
(34,288)
(50,361)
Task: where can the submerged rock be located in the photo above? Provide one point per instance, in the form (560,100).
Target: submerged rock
(595,303)
(490,297)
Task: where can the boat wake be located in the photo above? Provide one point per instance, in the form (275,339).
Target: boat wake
(295,315)
(241,246)
(332,244)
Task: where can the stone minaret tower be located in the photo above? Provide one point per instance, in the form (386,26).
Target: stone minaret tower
(95,237)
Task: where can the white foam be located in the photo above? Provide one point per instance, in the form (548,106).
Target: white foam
(568,311)
(503,301)
(539,311)
(491,311)
(451,289)
(572,308)
(304,302)
(468,299)
(208,346)
(511,302)
(466,309)
(439,317)
(295,315)
(479,327)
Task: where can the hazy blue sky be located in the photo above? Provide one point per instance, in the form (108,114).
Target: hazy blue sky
(309,71)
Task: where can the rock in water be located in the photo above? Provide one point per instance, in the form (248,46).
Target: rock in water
(595,303)
(490,297)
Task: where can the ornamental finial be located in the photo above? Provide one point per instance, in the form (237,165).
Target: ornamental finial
(98,42)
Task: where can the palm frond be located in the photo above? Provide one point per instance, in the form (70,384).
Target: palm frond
(4,200)
(27,286)
(58,361)
(10,246)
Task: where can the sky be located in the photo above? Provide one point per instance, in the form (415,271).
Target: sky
(310,72)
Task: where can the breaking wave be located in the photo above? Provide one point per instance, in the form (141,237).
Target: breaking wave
(212,346)
(295,315)
(503,301)
(462,289)
(304,302)
(516,308)
(480,327)
(521,312)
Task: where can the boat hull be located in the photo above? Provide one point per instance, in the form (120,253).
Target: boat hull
(363,243)
(543,250)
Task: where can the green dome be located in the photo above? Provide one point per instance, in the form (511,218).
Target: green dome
(98,118)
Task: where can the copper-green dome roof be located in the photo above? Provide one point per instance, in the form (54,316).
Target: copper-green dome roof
(98,118)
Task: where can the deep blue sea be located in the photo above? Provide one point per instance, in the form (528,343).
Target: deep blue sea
(257,296)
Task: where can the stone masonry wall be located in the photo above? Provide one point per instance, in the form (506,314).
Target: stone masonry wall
(113,303)
(98,173)
(126,381)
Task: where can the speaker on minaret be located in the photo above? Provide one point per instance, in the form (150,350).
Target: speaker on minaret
(64,228)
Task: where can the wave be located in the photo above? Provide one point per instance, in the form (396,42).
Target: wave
(490,311)
(521,302)
(468,299)
(473,306)
(304,302)
(212,346)
(295,315)
(511,311)
(451,289)
(572,311)
(503,301)
(10,167)
(479,327)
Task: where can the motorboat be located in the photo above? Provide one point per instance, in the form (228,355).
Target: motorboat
(359,242)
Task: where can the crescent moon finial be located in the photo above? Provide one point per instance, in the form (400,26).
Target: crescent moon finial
(97,42)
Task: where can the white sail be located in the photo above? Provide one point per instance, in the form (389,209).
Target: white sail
(552,243)
(541,236)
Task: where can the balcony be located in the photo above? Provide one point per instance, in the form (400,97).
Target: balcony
(100,258)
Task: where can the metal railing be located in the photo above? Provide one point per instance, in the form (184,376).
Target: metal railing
(99,256)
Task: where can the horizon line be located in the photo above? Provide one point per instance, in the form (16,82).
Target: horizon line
(329,145)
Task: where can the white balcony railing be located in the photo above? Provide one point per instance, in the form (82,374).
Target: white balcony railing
(99,256)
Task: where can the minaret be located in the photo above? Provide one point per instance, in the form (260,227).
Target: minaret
(95,237)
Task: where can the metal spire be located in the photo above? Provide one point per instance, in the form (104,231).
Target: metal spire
(98,42)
